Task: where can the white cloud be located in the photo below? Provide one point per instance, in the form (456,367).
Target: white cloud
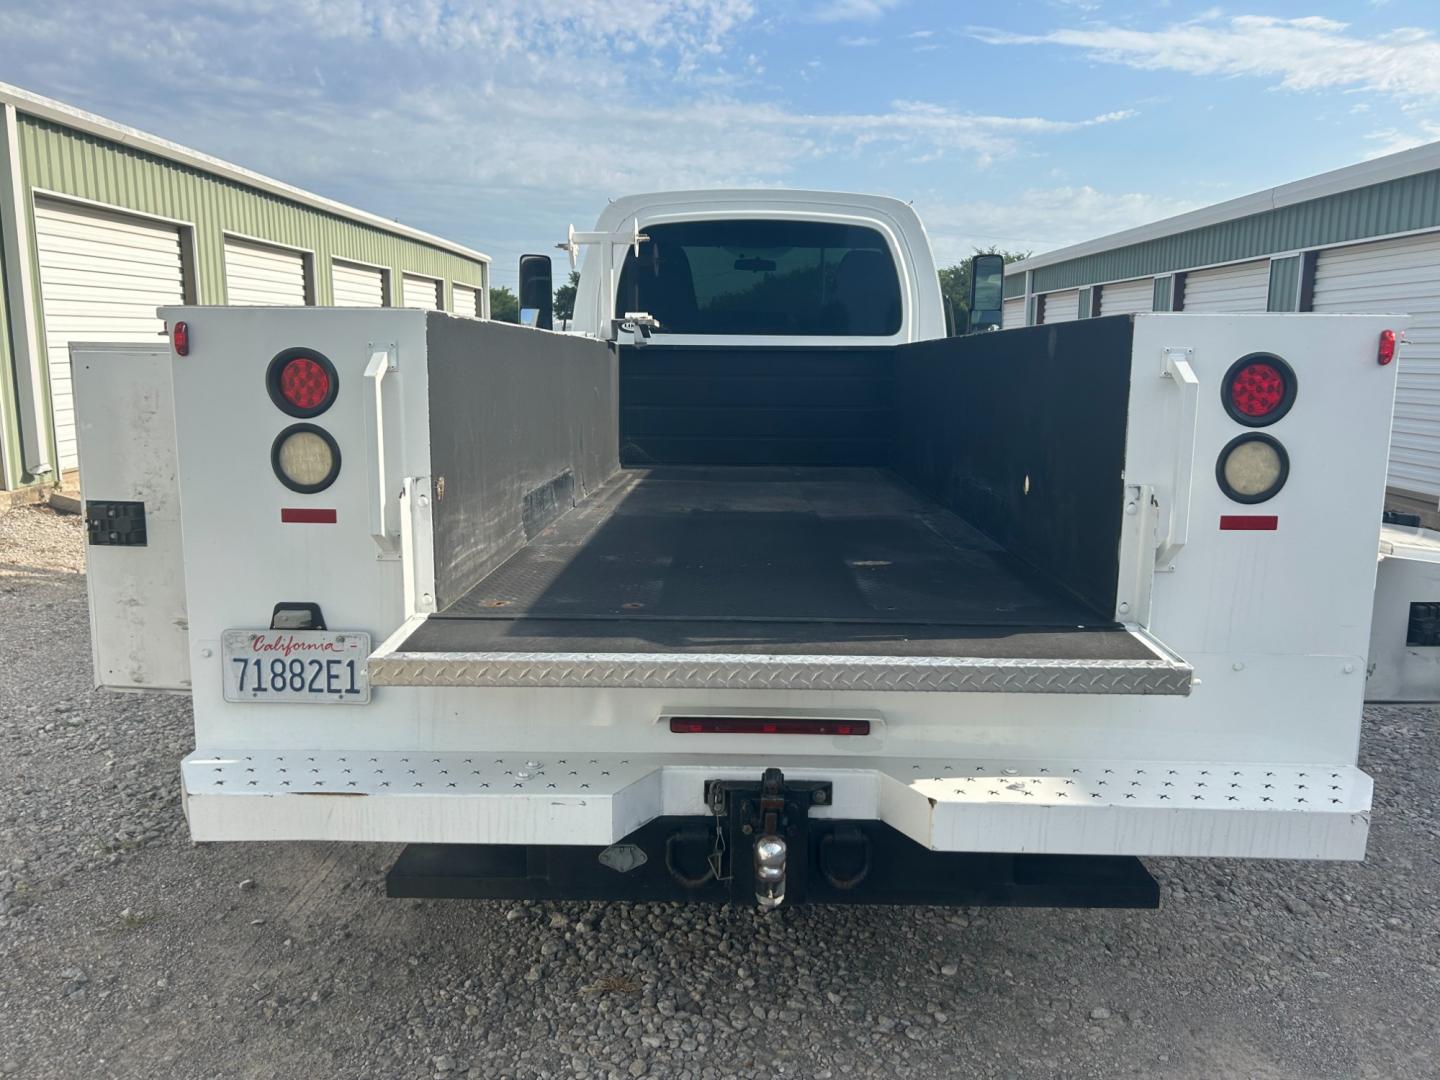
(859,42)
(1393,140)
(1308,53)
(851,10)
(1038,219)
(494,125)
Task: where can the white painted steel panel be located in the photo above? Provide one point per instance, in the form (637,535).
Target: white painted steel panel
(257,275)
(357,286)
(1062,306)
(1013,313)
(1400,276)
(102,275)
(1050,806)
(467,301)
(1127,297)
(139,628)
(1240,289)
(422,292)
(1409,573)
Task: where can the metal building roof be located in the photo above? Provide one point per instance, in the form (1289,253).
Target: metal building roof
(58,112)
(1395,193)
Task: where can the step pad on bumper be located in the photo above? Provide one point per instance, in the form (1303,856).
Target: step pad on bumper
(956,804)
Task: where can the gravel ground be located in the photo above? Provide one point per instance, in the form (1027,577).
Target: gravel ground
(126,951)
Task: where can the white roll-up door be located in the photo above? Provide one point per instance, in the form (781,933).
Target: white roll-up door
(421,292)
(1062,306)
(467,300)
(260,275)
(1013,313)
(1127,297)
(1400,276)
(102,275)
(357,286)
(1239,289)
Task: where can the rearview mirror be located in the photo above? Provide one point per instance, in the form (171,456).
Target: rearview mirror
(987,291)
(537,294)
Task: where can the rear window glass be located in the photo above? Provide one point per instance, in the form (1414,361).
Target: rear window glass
(763,277)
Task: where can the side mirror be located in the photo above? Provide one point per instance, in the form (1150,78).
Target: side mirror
(537,294)
(987,291)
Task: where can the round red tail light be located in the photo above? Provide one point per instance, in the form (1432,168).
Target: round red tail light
(1258,389)
(302,382)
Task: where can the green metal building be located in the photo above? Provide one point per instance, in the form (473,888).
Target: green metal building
(1365,238)
(100,224)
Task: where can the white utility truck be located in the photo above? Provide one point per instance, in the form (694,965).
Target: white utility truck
(757,587)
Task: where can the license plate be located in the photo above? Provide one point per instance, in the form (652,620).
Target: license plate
(307,666)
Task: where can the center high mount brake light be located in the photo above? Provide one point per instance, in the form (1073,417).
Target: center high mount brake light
(747,725)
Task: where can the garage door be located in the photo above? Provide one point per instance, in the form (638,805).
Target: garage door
(467,300)
(357,286)
(102,275)
(1401,276)
(1127,297)
(1014,314)
(1062,306)
(256,274)
(422,292)
(1242,288)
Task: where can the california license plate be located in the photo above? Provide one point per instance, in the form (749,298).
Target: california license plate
(307,666)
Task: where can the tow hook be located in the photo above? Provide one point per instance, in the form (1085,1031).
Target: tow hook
(773,816)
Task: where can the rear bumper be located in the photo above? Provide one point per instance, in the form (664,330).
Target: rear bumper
(1052,807)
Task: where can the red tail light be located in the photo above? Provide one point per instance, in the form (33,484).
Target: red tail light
(1258,389)
(302,382)
(751,725)
(1387,347)
(180,338)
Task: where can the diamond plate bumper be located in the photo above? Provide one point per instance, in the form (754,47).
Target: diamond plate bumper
(745,672)
(1055,807)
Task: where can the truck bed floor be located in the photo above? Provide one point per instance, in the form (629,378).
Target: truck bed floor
(761,559)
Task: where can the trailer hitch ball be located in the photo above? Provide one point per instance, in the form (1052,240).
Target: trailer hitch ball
(770,853)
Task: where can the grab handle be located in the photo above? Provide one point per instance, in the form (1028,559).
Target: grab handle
(1177,528)
(380,365)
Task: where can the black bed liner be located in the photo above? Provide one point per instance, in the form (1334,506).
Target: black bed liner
(769,560)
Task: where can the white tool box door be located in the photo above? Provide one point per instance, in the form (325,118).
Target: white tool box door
(134,565)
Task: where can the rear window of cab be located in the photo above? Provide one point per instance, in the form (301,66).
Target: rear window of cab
(809,278)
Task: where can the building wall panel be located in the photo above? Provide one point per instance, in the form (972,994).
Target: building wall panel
(1400,276)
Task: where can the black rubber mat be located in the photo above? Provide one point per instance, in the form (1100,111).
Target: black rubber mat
(750,559)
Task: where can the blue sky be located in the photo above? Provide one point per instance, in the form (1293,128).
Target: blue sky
(497,123)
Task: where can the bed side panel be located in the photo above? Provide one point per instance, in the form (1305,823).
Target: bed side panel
(523,424)
(1022,433)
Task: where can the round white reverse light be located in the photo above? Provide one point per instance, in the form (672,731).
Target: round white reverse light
(305,458)
(1252,468)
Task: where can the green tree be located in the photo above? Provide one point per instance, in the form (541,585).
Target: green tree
(955,284)
(504,305)
(565,297)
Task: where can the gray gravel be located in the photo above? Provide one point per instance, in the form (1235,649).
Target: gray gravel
(126,951)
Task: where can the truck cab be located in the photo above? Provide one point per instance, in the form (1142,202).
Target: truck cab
(757,586)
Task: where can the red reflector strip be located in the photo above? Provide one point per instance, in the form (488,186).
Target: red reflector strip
(1249,522)
(737,725)
(304,515)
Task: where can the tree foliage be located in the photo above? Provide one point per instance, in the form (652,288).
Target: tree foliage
(565,297)
(955,283)
(504,305)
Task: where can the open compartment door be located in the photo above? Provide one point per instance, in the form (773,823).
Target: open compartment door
(125,428)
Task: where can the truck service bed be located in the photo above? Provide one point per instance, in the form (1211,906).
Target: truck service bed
(754,560)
